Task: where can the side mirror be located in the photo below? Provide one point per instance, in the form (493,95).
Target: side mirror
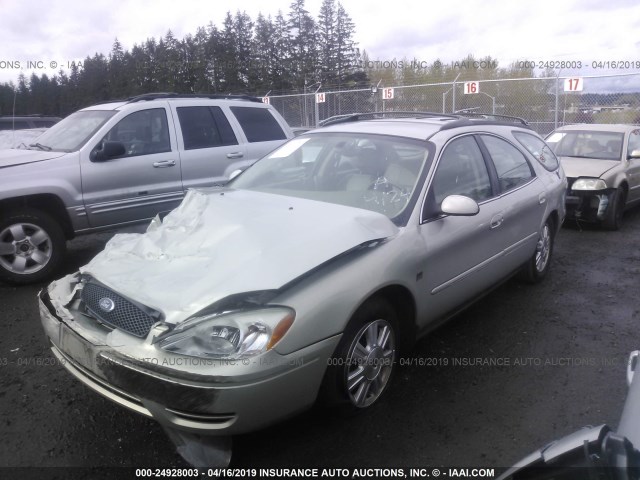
(234,174)
(459,206)
(109,150)
(634,154)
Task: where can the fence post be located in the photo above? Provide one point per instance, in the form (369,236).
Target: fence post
(555,117)
(316,110)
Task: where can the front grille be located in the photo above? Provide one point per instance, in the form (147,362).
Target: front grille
(125,314)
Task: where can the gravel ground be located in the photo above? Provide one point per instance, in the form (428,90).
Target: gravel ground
(560,349)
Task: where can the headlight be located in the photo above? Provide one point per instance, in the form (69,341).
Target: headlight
(589,184)
(232,335)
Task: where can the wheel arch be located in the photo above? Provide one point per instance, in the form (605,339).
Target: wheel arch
(403,303)
(46,202)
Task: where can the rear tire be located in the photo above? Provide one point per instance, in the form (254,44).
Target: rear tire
(365,359)
(537,267)
(32,246)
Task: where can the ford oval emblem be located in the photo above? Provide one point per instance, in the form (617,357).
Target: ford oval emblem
(106,304)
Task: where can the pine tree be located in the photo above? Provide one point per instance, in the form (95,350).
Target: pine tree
(346,51)
(282,55)
(243,29)
(327,41)
(304,55)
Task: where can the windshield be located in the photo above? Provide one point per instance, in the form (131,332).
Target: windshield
(73,132)
(373,172)
(587,144)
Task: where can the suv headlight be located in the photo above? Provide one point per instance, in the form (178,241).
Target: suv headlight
(589,184)
(230,336)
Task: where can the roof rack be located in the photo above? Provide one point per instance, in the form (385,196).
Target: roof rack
(459,119)
(215,96)
(493,116)
(354,117)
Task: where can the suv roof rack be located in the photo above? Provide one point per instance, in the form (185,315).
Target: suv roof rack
(355,117)
(215,96)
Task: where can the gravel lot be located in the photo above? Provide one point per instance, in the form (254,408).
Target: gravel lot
(561,349)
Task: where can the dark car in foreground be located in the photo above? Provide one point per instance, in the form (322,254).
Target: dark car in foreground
(593,452)
(602,164)
(306,275)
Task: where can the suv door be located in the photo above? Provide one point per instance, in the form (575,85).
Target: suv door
(139,184)
(209,147)
(262,130)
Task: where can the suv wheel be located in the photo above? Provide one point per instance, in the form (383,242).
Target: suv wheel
(32,245)
(360,370)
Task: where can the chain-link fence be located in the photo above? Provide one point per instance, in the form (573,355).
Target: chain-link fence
(545,103)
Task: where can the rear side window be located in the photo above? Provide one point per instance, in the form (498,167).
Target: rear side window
(511,165)
(540,150)
(258,124)
(205,127)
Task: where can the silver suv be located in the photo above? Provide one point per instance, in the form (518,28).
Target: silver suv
(121,163)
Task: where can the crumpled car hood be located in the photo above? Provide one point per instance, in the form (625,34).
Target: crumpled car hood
(11,157)
(223,242)
(586,167)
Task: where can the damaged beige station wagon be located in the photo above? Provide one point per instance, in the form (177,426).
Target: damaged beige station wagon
(306,275)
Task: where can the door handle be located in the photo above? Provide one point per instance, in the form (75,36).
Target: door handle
(235,155)
(164,164)
(497,220)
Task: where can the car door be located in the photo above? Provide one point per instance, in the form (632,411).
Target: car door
(633,166)
(142,182)
(209,147)
(263,131)
(462,253)
(523,196)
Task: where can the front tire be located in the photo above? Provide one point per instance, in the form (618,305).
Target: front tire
(365,359)
(613,219)
(32,246)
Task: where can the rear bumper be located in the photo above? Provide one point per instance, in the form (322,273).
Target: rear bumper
(203,396)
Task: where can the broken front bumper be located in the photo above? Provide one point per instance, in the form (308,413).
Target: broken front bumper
(203,396)
(589,205)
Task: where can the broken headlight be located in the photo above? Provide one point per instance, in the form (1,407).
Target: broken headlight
(231,335)
(589,184)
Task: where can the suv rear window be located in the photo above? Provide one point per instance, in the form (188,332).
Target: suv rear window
(258,124)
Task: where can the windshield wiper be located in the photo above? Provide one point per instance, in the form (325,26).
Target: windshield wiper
(40,146)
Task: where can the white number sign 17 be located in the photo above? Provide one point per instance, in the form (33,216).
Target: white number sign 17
(573,84)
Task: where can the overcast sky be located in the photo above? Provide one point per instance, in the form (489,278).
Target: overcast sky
(60,31)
